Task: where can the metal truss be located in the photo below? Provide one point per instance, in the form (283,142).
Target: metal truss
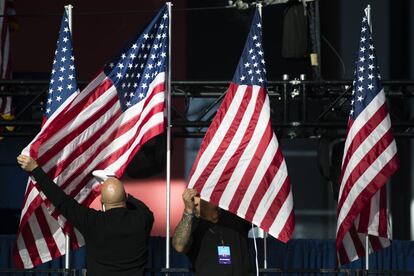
(300,108)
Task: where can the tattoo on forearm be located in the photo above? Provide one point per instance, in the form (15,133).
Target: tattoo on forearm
(182,235)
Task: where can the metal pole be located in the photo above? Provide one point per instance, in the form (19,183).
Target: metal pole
(259,8)
(68,10)
(168,169)
(368,14)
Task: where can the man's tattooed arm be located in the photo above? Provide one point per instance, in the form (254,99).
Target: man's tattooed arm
(182,239)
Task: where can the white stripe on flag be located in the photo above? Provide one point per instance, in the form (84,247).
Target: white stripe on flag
(219,135)
(366,178)
(246,157)
(232,147)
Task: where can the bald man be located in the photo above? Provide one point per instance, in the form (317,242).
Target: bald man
(117,238)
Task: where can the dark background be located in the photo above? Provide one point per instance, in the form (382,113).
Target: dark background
(206,46)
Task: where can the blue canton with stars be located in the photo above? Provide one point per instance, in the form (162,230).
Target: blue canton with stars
(366,84)
(63,79)
(251,69)
(136,67)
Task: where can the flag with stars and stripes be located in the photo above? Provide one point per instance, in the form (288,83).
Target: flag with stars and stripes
(40,237)
(240,166)
(107,122)
(369,160)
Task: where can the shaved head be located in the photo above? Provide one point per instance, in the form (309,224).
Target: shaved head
(113,193)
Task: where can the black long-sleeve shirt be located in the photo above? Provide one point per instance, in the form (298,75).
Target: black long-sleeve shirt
(116,240)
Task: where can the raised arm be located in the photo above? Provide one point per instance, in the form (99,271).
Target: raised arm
(74,212)
(182,239)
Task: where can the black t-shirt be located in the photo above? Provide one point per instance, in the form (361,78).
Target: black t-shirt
(116,240)
(230,231)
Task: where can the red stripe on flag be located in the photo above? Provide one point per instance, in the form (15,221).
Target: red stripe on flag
(365,195)
(251,169)
(234,160)
(227,139)
(364,163)
(363,133)
(215,124)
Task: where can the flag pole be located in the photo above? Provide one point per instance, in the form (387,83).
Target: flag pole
(259,8)
(68,9)
(368,14)
(168,158)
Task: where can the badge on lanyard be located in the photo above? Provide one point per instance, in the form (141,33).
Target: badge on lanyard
(224,256)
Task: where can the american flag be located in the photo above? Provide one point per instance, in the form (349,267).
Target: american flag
(106,124)
(370,158)
(240,166)
(40,237)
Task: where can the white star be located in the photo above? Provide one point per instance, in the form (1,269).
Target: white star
(144,85)
(370,67)
(132,56)
(69,86)
(362,49)
(134,46)
(363,39)
(60,88)
(259,25)
(362,59)
(165,16)
(255,64)
(61,78)
(49,100)
(363,29)
(250,72)
(63,59)
(370,86)
(119,75)
(48,110)
(72,67)
(123,56)
(258,71)
(150,66)
(246,64)
(360,98)
(371,57)
(255,37)
(260,53)
(361,79)
(66,29)
(111,65)
(260,80)
(361,69)
(370,76)
(360,88)
(250,51)
(62,69)
(147,76)
(72,58)
(65,39)
(153,56)
(258,44)
(352,112)
(242,78)
(130,65)
(161,27)
(120,66)
(146,36)
(141,95)
(64,49)
(71,77)
(371,47)
(163,54)
(128,103)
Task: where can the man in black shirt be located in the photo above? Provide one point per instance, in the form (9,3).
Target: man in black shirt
(214,240)
(116,239)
